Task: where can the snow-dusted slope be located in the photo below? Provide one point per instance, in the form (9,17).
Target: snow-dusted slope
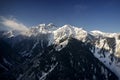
(107,49)
(61,34)
(105,46)
(68,31)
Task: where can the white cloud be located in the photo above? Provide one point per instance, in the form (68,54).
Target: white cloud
(13,24)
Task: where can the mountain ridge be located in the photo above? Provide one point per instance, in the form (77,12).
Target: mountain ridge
(104,46)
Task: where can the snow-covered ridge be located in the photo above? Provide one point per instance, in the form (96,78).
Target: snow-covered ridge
(57,35)
(100,33)
(66,30)
(106,44)
(61,34)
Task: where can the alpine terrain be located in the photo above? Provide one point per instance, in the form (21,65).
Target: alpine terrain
(48,52)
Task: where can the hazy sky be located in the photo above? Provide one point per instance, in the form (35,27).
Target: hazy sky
(101,15)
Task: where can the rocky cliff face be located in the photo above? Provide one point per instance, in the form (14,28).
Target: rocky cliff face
(48,52)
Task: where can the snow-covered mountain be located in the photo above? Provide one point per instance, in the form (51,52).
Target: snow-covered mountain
(50,40)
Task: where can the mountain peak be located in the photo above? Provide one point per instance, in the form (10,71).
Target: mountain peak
(51,24)
(42,25)
(67,25)
(97,31)
(105,46)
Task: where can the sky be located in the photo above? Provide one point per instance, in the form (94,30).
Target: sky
(103,15)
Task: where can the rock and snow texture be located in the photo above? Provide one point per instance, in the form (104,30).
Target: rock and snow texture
(105,46)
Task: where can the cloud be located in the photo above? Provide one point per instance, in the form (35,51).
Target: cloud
(13,24)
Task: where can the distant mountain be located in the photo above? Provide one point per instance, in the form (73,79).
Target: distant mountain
(48,52)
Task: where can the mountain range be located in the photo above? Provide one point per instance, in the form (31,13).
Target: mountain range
(49,52)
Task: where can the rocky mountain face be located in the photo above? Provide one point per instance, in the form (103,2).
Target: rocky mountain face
(48,52)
